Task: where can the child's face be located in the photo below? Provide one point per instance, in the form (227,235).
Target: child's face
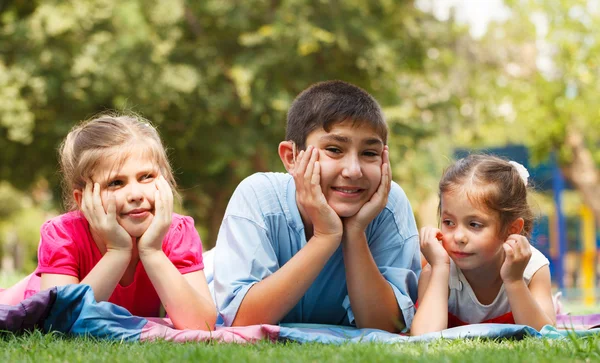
(471,233)
(133,186)
(350,157)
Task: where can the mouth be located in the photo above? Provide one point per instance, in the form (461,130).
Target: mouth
(138,213)
(461,254)
(349,191)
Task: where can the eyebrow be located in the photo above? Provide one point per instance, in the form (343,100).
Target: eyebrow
(347,140)
(470,216)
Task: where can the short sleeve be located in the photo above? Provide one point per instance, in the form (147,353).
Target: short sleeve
(244,254)
(183,246)
(58,251)
(394,243)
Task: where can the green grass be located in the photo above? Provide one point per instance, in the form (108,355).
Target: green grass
(36,347)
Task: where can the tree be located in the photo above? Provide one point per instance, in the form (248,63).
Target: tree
(216,76)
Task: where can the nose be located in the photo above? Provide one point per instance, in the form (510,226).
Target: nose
(460,236)
(134,193)
(352,168)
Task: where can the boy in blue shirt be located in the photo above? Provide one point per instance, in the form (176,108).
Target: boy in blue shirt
(334,240)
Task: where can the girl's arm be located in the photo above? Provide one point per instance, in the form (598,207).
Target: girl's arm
(532,305)
(432,313)
(103,278)
(186,298)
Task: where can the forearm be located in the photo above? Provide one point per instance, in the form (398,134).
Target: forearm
(432,313)
(107,273)
(367,288)
(269,300)
(186,307)
(525,309)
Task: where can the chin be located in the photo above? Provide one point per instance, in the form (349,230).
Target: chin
(346,212)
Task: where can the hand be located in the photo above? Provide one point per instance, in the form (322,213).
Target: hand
(517,252)
(370,210)
(152,239)
(432,248)
(103,224)
(310,197)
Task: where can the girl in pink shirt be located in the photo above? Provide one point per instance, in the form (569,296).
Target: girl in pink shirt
(121,236)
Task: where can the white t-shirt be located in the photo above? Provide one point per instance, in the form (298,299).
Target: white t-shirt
(463,304)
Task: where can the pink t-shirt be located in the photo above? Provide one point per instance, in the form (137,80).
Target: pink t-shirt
(67,248)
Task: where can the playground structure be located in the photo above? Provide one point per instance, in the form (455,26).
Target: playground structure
(574,270)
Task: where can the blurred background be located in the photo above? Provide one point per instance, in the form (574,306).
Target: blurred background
(513,77)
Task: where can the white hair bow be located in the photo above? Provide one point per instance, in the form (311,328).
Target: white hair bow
(523,173)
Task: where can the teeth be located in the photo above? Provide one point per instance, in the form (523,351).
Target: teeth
(347,190)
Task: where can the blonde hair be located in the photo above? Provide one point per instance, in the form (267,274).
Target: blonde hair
(91,141)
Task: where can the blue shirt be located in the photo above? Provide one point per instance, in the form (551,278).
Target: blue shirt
(262,230)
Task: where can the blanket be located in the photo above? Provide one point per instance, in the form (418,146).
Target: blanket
(73,310)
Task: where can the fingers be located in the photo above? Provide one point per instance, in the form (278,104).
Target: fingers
(111,211)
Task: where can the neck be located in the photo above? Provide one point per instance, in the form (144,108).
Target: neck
(485,276)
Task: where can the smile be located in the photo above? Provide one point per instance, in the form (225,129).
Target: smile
(348,190)
(138,213)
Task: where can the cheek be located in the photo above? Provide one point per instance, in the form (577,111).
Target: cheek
(373,174)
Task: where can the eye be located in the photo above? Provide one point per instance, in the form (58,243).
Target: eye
(476,225)
(447,222)
(148,177)
(114,183)
(333,149)
(371,154)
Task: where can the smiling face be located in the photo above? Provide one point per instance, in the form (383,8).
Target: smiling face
(131,180)
(350,155)
(471,233)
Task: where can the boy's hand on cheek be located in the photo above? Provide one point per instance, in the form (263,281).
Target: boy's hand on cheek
(517,255)
(103,224)
(310,197)
(152,239)
(358,223)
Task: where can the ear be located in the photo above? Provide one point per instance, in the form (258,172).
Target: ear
(516,226)
(78,195)
(287,154)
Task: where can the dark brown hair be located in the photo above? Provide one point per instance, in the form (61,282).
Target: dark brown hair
(326,103)
(493,183)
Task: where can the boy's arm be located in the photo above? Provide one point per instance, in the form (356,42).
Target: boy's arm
(269,300)
(367,289)
(367,286)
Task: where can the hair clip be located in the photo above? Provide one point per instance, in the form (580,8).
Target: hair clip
(523,173)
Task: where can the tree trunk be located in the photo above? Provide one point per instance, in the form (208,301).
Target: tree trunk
(582,171)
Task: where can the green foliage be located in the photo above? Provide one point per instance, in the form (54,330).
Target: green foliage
(216,76)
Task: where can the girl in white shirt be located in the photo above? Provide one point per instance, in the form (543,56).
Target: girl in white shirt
(481,267)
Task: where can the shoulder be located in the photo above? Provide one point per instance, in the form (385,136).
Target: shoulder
(68,226)
(398,209)
(537,261)
(260,193)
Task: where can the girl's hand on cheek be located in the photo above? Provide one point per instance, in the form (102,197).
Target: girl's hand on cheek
(152,239)
(432,248)
(517,255)
(310,197)
(103,224)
